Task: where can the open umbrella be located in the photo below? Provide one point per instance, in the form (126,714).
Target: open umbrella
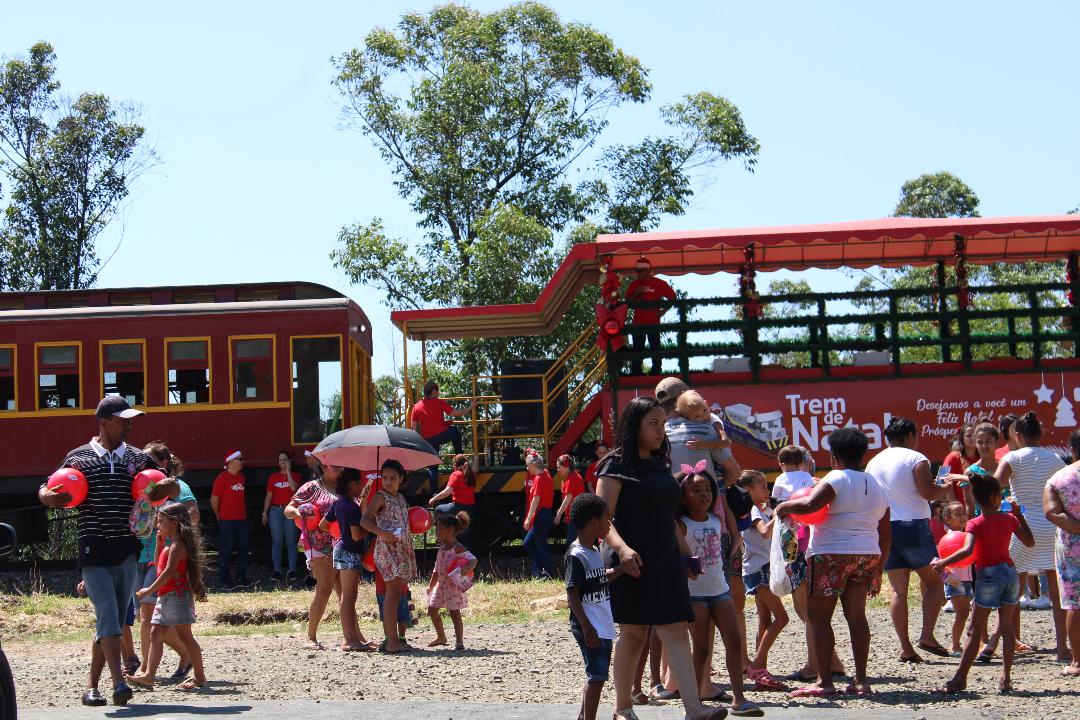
(367,447)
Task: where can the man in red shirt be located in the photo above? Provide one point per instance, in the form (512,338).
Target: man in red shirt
(429,419)
(228,502)
(647,288)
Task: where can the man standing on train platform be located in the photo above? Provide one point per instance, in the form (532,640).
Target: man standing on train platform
(107,549)
(647,288)
(229,503)
(429,419)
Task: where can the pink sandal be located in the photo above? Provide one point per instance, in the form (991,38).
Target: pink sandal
(764,680)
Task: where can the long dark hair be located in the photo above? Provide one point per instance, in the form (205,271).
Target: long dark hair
(461,462)
(347,475)
(169,463)
(626,434)
(189,535)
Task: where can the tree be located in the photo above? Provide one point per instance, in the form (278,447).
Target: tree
(69,166)
(484,119)
(945,195)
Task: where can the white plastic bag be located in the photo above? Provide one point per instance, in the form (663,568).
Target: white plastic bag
(784,543)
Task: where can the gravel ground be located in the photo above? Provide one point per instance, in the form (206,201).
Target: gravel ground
(533,663)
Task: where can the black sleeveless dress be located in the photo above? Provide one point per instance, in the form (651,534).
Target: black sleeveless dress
(645,519)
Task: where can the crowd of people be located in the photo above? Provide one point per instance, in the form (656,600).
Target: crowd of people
(668,537)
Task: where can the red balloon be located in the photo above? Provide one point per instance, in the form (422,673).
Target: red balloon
(368,561)
(71,481)
(951,542)
(457,562)
(335,530)
(419,520)
(815,518)
(312,521)
(141,481)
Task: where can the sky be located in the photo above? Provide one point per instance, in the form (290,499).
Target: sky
(258,172)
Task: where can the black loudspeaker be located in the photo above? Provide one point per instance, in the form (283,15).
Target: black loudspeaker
(528,418)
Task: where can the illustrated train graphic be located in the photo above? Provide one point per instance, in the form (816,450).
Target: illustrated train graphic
(763,430)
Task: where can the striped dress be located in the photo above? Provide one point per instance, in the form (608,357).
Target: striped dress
(1032,467)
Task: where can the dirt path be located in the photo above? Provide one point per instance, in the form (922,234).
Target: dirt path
(529,663)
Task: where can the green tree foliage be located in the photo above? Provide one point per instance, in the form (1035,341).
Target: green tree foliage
(945,195)
(484,119)
(68,166)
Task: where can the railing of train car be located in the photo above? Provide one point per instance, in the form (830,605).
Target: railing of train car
(911,325)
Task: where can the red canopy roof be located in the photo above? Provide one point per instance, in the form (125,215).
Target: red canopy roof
(889,242)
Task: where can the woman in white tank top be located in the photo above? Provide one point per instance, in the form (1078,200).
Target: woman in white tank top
(1026,471)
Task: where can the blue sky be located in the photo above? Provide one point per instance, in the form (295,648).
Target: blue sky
(848,100)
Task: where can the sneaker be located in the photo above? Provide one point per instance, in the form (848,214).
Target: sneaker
(131,665)
(94,698)
(291,576)
(1040,603)
(1025,603)
(121,694)
(948,607)
(276,576)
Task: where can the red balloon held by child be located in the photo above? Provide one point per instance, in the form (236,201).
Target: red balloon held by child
(141,482)
(457,562)
(951,542)
(419,520)
(368,560)
(335,530)
(815,518)
(72,482)
(311,521)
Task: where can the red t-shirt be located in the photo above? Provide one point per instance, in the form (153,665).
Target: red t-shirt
(649,289)
(992,534)
(573,486)
(430,414)
(590,477)
(278,487)
(540,486)
(958,464)
(461,493)
(1000,452)
(380,583)
(229,489)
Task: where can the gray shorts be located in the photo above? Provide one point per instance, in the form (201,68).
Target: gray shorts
(174,608)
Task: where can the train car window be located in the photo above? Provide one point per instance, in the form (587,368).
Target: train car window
(7,379)
(64,300)
(188,371)
(252,369)
(58,376)
(181,297)
(256,295)
(316,388)
(130,299)
(123,372)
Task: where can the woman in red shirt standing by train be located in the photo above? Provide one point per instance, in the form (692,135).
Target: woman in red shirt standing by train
(539,497)
(571,486)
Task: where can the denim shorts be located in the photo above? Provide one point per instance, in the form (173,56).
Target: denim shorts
(151,576)
(756,579)
(597,659)
(111,589)
(403,615)
(912,545)
(966,588)
(347,560)
(710,601)
(997,585)
(174,608)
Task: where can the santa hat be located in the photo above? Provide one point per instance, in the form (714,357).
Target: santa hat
(234,455)
(307,453)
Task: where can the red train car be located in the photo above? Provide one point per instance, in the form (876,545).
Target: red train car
(254,367)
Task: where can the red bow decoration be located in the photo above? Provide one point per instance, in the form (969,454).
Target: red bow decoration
(611,322)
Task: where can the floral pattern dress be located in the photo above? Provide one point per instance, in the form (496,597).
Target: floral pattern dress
(315,542)
(395,560)
(1066,484)
(448,593)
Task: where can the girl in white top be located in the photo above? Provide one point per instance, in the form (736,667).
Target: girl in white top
(710,597)
(1026,471)
(772,617)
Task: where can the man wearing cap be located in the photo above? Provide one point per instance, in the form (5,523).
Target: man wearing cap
(668,391)
(647,288)
(229,503)
(107,549)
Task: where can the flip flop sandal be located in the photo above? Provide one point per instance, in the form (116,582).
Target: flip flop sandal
(853,690)
(191,684)
(934,649)
(799,677)
(947,689)
(812,691)
(141,684)
(984,657)
(625,714)
(718,697)
(748,709)
(914,659)
(764,680)
(664,694)
(181,672)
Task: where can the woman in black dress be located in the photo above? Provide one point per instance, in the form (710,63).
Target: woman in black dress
(635,482)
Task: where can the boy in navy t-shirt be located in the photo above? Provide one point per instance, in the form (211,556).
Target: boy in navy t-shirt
(587,594)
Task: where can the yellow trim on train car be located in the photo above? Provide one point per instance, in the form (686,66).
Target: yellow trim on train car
(14,377)
(101,365)
(273,365)
(344,366)
(209,369)
(190,407)
(37,375)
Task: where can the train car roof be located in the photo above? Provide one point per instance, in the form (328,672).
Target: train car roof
(114,311)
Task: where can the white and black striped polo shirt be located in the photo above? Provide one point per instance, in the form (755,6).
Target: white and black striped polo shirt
(104,534)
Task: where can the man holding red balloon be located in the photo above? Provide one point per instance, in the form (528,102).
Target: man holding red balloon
(97,478)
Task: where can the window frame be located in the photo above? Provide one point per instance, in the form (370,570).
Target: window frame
(344,368)
(273,369)
(102,369)
(78,369)
(14,374)
(209,370)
